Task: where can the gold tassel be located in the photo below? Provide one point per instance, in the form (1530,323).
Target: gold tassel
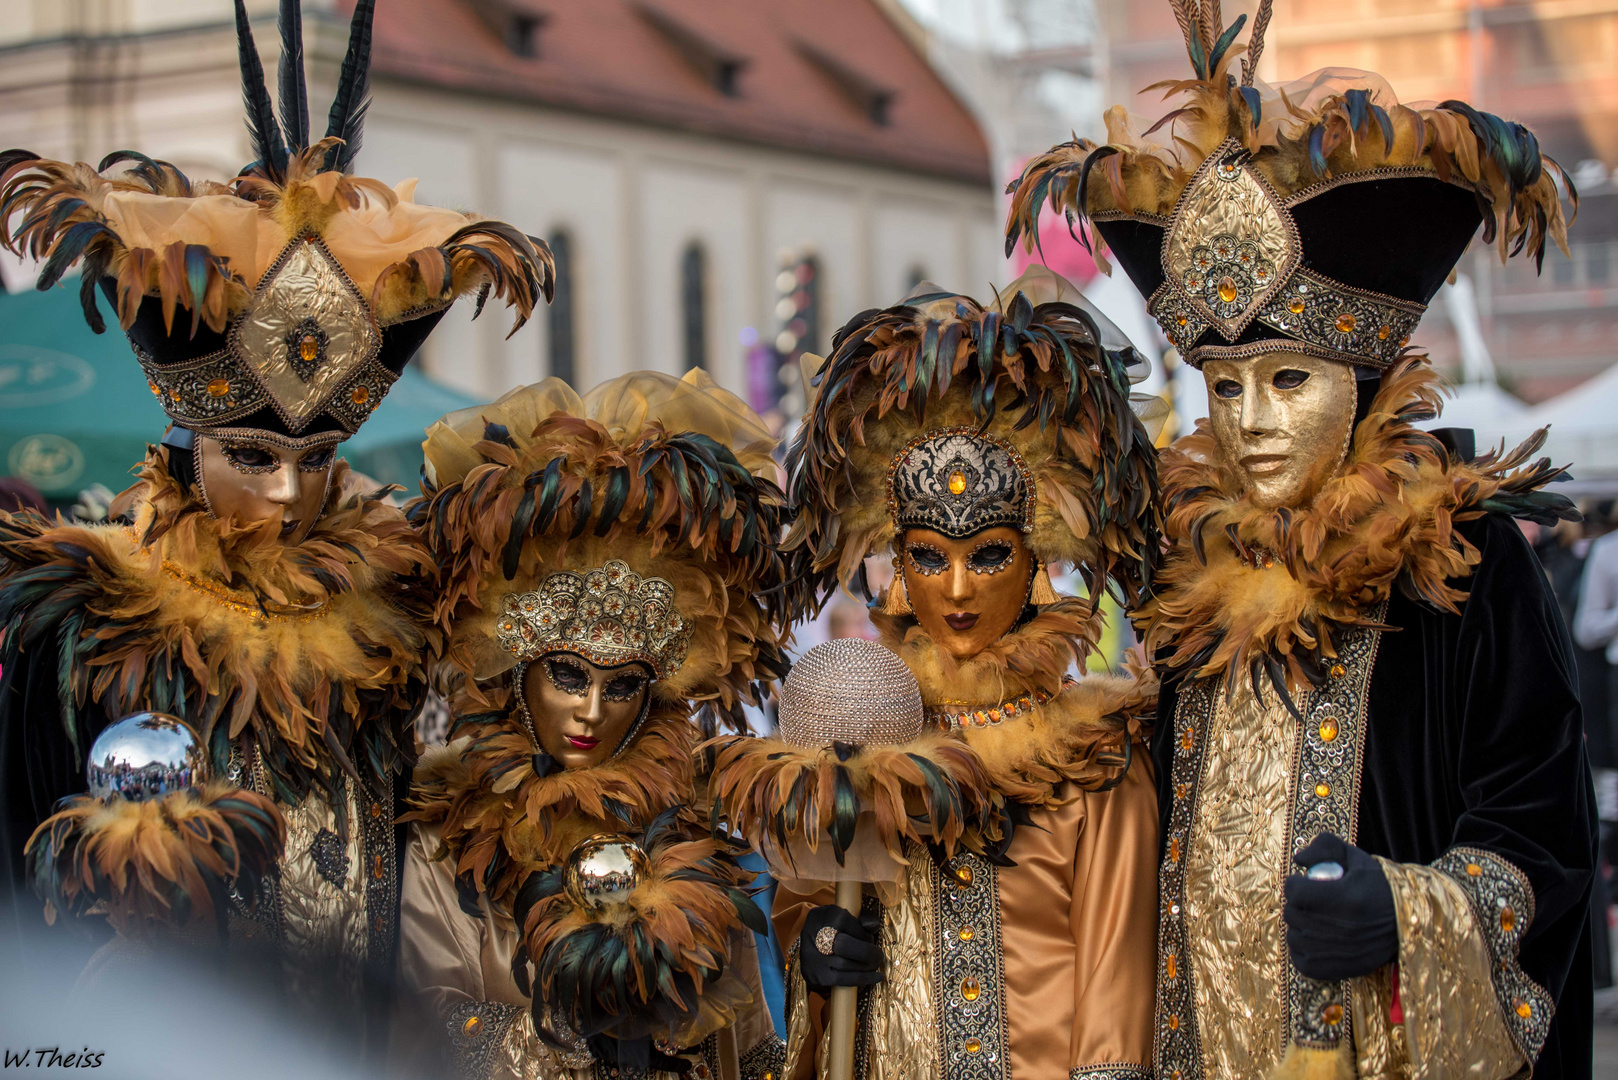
(1042,592)
(897,602)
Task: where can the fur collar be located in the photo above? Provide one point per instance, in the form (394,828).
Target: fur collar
(499,819)
(1085,733)
(1386,520)
(312,653)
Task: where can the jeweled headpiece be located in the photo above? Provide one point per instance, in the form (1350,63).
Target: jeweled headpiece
(610,616)
(958,483)
(287,301)
(1318,217)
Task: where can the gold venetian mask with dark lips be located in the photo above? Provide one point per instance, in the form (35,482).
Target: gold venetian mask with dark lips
(250,481)
(1282,421)
(967,593)
(581,712)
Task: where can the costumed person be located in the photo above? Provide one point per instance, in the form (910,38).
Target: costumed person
(609,581)
(1378,826)
(981,444)
(246,587)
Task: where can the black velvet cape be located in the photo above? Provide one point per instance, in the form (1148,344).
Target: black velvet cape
(1474,736)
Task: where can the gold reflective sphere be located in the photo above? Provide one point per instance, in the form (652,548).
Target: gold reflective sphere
(604,870)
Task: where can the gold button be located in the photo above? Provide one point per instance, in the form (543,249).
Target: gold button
(361,395)
(957,482)
(473,1025)
(1322,790)
(308,348)
(967,933)
(1332,1014)
(1345,323)
(219,387)
(1328,731)
(970,988)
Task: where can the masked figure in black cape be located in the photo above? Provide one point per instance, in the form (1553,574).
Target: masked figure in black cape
(1378,829)
(245,586)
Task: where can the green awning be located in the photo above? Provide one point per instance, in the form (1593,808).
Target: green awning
(75,409)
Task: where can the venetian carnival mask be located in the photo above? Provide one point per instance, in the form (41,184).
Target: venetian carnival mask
(962,504)
(1282,421)
(589,646)
(248,480)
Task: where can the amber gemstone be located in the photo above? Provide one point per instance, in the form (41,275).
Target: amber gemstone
(1174,849)
(1383,331)
(1185,739)
(964,874)
(1322,790)
(308,348)
(1181,320)
(156,390)
(1296,305)
(967,933)
(175,393)
(973,1046)
(970,988)
(1474,870)
(1508,919)
(1227,290)
(1345,323)
(1524,1010)
(376,809)
(1328,730)
(1332,1014)
(219,387)
(376,868)
(981,717)
(361,395)
(994,716)
(1170,968)
(473,1025)
(957,482)
(1338,671)
(1174,1021)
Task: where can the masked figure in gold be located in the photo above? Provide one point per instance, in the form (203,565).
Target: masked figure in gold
(607,567)
(1378,826)
(247,585)
(980,445)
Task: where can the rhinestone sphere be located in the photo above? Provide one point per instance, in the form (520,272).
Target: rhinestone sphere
(603,871)
(145,756)
(850,690)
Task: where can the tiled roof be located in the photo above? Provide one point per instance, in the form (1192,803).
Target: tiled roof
(834,77)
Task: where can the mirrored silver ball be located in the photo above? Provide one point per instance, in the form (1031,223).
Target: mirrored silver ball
(145,756)
(603,871)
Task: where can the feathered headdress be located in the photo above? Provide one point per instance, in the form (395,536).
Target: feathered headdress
(669,478)
(1322,214)
(1029,383)
(302,291)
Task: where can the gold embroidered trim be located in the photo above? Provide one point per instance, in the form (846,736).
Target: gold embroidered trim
(968,973)
(254,608)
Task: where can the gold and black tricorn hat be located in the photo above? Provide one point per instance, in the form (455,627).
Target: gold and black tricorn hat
(640,522)
(1320,216)
(949,414)
(286,302)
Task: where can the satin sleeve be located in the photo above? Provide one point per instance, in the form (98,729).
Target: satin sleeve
(806,1011)
(1114,921)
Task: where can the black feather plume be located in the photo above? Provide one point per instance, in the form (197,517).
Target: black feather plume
(268,146)
(347,117)
(294,91)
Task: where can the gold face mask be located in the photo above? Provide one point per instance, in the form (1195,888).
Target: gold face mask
(581,712)
(250,481)
(1282,421)
(967,593)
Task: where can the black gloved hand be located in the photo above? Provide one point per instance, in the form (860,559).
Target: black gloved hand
(1345,928)
(635,1055)
(855,960)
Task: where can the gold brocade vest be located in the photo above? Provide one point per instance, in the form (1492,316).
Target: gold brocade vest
(1251,785)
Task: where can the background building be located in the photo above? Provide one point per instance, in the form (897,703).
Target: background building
(721,180)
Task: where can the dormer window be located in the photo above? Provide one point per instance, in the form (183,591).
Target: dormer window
(517,22)
(720,66)
(869,96)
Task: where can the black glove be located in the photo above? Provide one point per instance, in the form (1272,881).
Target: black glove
(635,1055)
(1345,928)
(855,960)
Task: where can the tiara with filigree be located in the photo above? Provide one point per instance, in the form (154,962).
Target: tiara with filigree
(958,482)
(610,616)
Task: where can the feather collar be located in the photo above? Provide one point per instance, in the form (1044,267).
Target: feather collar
(1248,590)
(308,653)
(1085,733)
(499,818)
